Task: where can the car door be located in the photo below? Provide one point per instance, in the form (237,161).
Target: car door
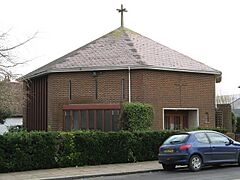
(203,146)
(222,149)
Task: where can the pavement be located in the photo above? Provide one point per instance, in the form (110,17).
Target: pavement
(84,171)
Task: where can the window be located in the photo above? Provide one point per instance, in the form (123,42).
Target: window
(108,120)
(123,89)
(217,138)
(91,119)
(176,139)
(84,119)
(70,89)
(100,119)
(75,119)
(68,120)
(202,138)
(96,89)
(103,117)
(206,117)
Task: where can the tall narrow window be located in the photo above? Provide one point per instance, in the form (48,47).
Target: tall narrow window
(84,119)
(206,117)
(70,89)
(123,89)
(96,88)
(75,119)
(67,120)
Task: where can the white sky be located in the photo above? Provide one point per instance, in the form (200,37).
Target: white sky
(206,30)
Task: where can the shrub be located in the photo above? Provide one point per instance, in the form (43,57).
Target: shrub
(136,117)
(38,150)
(5,112)
(24,150)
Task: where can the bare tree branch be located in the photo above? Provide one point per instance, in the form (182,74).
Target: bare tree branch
(20,44)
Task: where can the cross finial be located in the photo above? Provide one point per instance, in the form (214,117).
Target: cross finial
(121,11)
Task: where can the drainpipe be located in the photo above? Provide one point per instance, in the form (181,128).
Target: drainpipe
(129,84)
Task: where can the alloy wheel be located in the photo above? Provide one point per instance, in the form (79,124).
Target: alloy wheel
(195,163)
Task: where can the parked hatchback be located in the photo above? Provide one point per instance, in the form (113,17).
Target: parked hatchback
(198,148)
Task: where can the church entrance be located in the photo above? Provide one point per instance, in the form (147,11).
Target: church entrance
(176,119)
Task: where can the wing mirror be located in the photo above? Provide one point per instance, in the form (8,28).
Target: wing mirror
(230,142)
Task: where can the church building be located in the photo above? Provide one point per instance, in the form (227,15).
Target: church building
(85,88)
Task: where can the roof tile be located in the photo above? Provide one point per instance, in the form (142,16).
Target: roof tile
(123,48)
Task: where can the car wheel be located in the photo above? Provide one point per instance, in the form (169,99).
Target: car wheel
(195,163)
(168,167)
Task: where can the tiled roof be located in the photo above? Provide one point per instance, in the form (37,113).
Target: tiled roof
(120,49)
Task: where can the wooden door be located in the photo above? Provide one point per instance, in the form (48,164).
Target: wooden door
(176,120)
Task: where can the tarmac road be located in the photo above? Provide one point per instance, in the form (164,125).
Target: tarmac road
(231,172)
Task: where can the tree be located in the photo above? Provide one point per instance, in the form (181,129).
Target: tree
(8,90)
(7,60)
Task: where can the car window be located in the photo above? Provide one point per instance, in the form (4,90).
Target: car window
(176,139)
(217,138)
(202,138)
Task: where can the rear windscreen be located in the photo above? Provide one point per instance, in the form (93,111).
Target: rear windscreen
(176,139)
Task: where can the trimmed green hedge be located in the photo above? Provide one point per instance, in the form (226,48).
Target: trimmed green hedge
(136,116)
(21,151)
(39,150)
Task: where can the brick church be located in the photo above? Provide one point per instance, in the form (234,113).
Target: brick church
(85,88)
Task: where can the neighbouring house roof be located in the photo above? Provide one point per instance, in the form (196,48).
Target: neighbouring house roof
(227,99)
(121,49)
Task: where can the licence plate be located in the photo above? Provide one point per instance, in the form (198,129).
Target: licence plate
(168,151)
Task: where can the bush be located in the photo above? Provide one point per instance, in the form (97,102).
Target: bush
(24,150)
(27,151)
(136,117)
(4,113)
(38,150)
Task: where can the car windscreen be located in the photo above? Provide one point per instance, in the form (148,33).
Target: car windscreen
(176,139)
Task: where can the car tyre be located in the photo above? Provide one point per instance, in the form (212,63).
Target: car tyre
(195,163)
(168,167)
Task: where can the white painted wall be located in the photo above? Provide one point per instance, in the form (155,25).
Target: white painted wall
(193,121)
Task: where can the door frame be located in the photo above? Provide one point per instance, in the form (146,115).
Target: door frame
(179,109)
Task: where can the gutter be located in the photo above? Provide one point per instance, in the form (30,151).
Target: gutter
(111,68)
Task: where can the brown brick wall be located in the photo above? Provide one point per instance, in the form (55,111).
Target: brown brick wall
(227,116)
(159,88)
(163,91)
(83,91)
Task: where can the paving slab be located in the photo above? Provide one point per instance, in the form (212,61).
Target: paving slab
(84,171)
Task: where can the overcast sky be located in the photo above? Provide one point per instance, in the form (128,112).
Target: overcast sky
(206,30)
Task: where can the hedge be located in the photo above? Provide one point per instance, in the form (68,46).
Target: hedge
(136,116)
(39,150)
(21,151)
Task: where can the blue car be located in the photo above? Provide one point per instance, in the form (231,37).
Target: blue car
(198,148)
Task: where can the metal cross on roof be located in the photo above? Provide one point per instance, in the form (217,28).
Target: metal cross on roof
(121,11)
